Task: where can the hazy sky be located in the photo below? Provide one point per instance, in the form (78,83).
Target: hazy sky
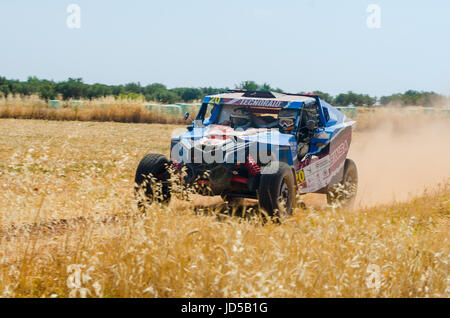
(295,45)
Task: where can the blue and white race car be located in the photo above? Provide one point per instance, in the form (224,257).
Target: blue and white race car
(260,145)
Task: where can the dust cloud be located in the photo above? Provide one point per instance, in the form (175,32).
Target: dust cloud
(401,157)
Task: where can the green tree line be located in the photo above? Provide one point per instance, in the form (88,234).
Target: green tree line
(75,88)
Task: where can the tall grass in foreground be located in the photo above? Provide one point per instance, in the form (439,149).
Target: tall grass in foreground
(175,253)
(69,227)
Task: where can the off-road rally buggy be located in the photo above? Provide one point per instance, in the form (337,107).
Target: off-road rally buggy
(260,145)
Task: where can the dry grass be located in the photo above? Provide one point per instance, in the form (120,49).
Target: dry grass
(104,110)
(109,109)
(70,228)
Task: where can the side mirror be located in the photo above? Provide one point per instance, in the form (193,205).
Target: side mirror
(186,116)
(311,125)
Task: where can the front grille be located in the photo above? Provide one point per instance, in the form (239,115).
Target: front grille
(207,155)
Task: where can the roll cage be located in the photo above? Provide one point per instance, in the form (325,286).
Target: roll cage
(307,109)
(216,101)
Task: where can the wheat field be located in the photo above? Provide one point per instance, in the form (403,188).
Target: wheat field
(69,226)
(107,109)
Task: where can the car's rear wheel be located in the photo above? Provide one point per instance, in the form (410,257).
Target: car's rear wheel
(152,180)
(277,190)
(344,193)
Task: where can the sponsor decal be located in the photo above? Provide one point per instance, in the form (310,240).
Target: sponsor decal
(339,149)
(339,152)
(256,102)
(318,171)
(317,174)
(293,150)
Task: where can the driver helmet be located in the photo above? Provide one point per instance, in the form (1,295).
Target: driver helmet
(240,118)
(286,120)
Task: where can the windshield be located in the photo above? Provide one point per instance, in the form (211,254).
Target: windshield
(246,117)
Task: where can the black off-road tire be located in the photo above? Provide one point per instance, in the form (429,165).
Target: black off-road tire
(344,193)
(277,190)
(152,180)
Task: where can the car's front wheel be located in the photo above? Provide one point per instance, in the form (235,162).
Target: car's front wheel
(152,180)
(277,190)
